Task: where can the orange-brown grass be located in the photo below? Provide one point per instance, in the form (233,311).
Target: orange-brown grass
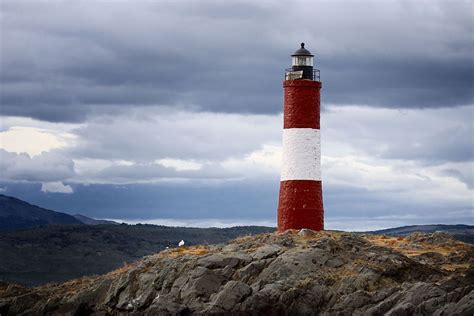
(321,234)
(455,266)
(181,251)
(409,249)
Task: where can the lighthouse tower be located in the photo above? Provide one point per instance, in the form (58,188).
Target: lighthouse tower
(300,202)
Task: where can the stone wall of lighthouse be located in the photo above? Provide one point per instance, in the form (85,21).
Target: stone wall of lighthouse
(300,202)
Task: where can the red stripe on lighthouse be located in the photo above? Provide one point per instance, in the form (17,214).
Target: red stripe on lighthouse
(300,205)
(302,104)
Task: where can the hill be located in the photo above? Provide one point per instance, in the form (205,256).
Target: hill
(18,214)
(461,232)
(305,273)
(58,253)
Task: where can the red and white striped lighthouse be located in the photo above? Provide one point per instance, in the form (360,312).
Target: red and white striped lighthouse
(300,203)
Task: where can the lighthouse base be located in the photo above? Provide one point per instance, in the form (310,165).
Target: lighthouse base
(300,205)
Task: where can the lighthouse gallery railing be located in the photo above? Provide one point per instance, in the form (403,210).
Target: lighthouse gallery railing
(316,74)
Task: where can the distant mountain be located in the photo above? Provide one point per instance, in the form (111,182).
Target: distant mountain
(461,232)
(18,214)
(92,221)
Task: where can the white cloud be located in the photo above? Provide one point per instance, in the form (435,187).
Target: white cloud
(179,164)
(261,162)
(56,187)
(32,140)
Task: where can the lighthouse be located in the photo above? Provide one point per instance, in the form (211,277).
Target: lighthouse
(300,203)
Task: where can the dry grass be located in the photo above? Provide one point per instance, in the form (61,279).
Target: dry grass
(411,249)
(181,251)
(455,266)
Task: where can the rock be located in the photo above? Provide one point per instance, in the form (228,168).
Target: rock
(266,251)
(251,270)
(219,260)
(212,261)
(465,306)
(354,300)
(206,284)
(438,238)
(231,294)
(405,309)
(305,232)
(334,263)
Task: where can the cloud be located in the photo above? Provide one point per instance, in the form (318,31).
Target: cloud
(382,54)
(430,135)
(462,172)
(180,164)
(152,172)
(56,187)
(18,140)
(148,134)
(47,167)
(364,146)
(415,165)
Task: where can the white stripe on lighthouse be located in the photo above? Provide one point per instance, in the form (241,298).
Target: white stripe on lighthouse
(301,154)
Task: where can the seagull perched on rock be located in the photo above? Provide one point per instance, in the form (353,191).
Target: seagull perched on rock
(181,243)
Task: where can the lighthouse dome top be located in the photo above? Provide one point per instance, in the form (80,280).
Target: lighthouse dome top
(302,51)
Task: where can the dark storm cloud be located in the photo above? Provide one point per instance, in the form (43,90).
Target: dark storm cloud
(64,61)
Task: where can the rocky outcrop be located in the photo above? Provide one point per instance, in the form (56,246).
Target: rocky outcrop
(295,273)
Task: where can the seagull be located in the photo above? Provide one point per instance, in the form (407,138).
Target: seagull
(181,243)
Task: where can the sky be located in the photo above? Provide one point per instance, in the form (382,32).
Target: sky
(170,112)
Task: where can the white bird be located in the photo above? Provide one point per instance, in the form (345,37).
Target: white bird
(181,243)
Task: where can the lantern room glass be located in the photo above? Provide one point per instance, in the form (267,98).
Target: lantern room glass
(302,61)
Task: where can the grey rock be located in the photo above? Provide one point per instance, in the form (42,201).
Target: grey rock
(405,309)
(206,284)
(251,270)
(354,300)
(266,251)
(305,232)
(219,260)
(212,261)
(465,306)
(233,292)
(334,263)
